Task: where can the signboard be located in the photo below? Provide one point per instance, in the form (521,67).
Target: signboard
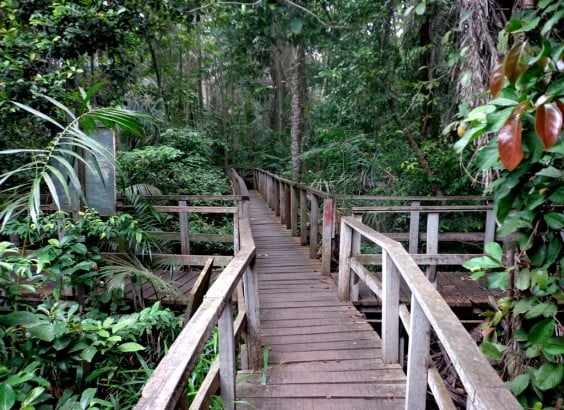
(101,193)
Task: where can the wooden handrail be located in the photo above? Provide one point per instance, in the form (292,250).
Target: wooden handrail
(429,311)
(165,389)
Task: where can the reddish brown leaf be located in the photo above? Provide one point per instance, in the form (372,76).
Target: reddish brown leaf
(496,80)
(509,143)
(519,108)
(514,66)
(548,123)
(560,105)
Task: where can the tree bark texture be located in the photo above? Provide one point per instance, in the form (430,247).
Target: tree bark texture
(298,91)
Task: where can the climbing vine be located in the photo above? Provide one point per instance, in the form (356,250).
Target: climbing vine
(524,334)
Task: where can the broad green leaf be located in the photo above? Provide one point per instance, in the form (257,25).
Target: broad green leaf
(88,353)
(130,347)
(520,335)
(550,172)
(552,22)
(503,102)
(542,309)
(7,396)
(79,248)
(553,251)
(540,277)
(86,397)
(518,384)
(494,250)
(477,275)
(43,331)
(497,280)
(541,331)
(468,137)
(31,398)
(481,262)
(480,112)
(20,318)
(555,220)
(523,280)
(555,345)
(549,375)
(492,350)
(488,156)
(538,255)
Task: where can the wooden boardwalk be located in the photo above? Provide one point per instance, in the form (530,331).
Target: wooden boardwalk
(322,354)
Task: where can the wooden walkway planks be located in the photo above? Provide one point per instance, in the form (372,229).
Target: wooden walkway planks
(322,353)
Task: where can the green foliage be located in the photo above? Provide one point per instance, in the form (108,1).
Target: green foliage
(525,332)
(182,164)
(53,350)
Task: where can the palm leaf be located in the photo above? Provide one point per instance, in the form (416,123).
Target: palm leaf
(54,166)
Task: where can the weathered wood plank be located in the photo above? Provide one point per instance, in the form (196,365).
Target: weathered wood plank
(361,376)
(310,346)
(322,390)
(315,338)
(333,403)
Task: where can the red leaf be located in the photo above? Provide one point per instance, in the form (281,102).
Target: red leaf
(496,79)
(509,143)
(560,105)
(548,123)
(514,66)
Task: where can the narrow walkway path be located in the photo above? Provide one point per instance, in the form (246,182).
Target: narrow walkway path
(322,353)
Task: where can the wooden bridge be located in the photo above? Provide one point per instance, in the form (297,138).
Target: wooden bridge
(294,340)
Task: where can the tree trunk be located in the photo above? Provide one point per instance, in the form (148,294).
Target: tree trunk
(276,52)
(298,91)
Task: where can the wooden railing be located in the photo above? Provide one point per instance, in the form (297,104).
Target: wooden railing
(428,312)
(166,387)
(298,208)
(314,217)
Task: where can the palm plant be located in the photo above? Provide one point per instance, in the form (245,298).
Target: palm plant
(125,268)
(53,169)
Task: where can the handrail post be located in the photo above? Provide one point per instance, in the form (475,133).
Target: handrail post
(282,203)
(390,309)
(414,228)
(303,217)
(227,357)
(184,234)
(313,226)
(418,355)
(432,244)
(355,280)
(277,195)
(328,231)
(288,206)
(293,211)
(345,253)
(489,233)
(250,281)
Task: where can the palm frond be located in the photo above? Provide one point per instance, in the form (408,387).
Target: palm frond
(122,268)
(54,167)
